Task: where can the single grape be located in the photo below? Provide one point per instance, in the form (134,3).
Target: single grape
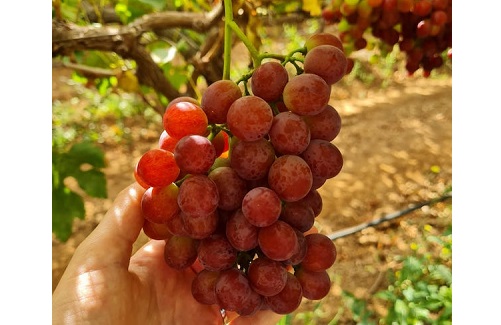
(159,204)
(267,277)
(252,159)
(167,142)
(200,227)
(326,61)
(249,118)
(306,94)
(232,289)
(290,177)
(314,200)
(320,253)
(241,234)
(268,81)
(289,134)
(231,187)
(180,251)
(198,196)
(323,39)
(261,206)
(302,248)
(203,287)
(158,231)
(183,99)
(324,158)
(315,285)
(288,299)
(176,225)
(216,253)
(252,305)
(194,154)
(157,168)
(324,125)
(217,99)
(299,215)
(278,241)
(185,118)
(221,143)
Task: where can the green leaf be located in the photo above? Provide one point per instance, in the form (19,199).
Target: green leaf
(409,293)
(386,295)
(66,205)
(441,273)
(87,153)
(412,268)
(93,182)
(401,308)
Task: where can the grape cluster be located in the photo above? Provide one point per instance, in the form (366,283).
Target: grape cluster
(233,186)
(421,28)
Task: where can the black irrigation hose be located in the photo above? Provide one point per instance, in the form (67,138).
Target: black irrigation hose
(351,230)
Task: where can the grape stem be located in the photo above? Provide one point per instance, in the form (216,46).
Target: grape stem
(228,17)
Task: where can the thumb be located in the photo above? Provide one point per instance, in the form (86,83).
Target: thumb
(112,240)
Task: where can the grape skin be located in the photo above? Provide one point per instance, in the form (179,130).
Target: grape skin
(266,276)
(289,134)
(324,158)
(320,253)
(252,159)
(198,196)
(194,154)
(157,168)
(306,94)
(326,61)
(232,289)
(240,232)
(159,204)
(287,300)
(217,99)
(315,285)
(268,81)
(249,118)
(278,241)
(290,177)
(261,206)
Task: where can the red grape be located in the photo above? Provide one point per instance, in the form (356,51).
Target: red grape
(261,206)
(249,118)
(315,285)
(290,177)
(198,196)
(287,300)
(266,276)
(217,99)
(278,241)
(306,94)
(268,81)
(194,154)
(185,118)
(157,168)
(289,134)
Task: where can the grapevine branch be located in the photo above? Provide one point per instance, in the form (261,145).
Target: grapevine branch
(351,230)
(126,40)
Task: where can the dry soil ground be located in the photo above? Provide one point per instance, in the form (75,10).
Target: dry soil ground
(390,139)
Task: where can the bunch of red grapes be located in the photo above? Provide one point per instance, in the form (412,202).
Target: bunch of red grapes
(421,28)
(233,186)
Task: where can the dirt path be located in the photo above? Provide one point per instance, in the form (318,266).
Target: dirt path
(391,141)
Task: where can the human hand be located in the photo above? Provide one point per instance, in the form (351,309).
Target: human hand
(105,284)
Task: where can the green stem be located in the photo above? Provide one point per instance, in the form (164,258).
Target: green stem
(248,44)
(228,17)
